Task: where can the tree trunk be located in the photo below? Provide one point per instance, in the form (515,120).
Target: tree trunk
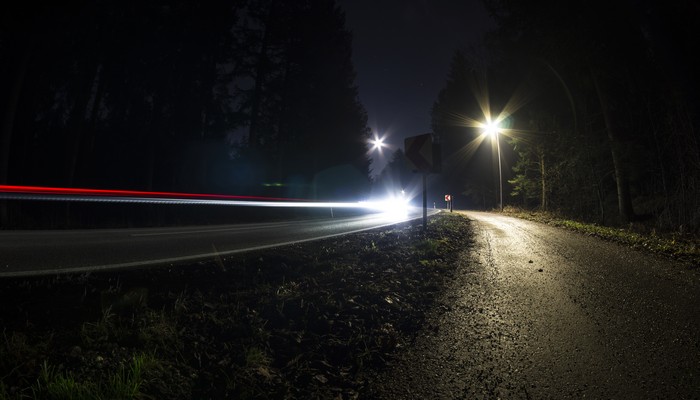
(152,141)
(77,122)
(260,76)
(91,125)
(624,198)
(543,180)
(8,122)
(76,128)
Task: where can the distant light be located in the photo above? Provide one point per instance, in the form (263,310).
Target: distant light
(392,207)
(377,143)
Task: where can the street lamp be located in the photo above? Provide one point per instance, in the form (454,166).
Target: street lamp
(492,129)
(377,143)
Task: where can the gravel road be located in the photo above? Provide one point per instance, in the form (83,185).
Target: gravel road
(539,312)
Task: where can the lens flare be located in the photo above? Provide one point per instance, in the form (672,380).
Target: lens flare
(377,143)
(391,207)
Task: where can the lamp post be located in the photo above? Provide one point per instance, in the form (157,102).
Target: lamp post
(492,129)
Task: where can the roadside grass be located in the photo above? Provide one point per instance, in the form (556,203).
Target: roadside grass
(125,383)
(19,355)
(429,251)
(434,248)
(315,320)
(684,247)
(54,383)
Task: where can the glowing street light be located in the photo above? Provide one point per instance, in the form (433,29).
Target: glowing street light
(492,128)
(377,143)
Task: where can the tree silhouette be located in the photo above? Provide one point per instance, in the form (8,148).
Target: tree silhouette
(607,56)
(151,96)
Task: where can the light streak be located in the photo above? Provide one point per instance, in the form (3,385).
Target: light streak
(41,193)
(124,193)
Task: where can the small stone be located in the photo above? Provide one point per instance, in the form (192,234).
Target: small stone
(539,270)
(530,261)
(75,351)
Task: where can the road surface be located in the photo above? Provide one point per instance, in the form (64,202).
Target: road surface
(538,312)
(24,253)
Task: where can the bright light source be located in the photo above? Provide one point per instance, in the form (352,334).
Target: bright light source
(392,207)
(377,143)
(491,128)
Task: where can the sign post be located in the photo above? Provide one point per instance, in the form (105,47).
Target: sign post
(448,199)
(423,156)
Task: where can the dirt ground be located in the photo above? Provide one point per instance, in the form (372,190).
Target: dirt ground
(315,320)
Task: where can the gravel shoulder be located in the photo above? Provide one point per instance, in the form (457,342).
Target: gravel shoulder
(479,306)
(535,311)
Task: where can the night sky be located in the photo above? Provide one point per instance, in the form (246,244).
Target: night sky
(402,52)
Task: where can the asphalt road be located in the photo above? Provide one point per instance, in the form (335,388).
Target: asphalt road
(25,253)
(538,312)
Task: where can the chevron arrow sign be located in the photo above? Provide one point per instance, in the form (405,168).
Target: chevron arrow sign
(419,152)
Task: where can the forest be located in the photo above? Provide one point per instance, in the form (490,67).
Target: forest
(253,97)
(600,110)
(598,102)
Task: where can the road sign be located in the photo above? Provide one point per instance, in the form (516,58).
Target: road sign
(448,197)
(419,152)
(423,156)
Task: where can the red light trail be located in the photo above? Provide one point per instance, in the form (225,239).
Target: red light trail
(41,190)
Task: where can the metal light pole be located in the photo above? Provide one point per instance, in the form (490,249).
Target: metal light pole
(492,129)
(500,174)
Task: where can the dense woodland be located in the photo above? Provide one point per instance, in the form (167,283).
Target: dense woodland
(251,97)
(602,106)
(258,97)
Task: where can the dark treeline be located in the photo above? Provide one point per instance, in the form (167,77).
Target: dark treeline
(396,176)
(252,97)
(603,107)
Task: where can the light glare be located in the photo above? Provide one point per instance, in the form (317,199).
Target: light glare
(377,143)
(491,128)
(392,207)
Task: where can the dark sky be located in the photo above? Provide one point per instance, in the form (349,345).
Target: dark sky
(402,51)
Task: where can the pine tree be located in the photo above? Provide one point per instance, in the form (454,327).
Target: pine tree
(305,117)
